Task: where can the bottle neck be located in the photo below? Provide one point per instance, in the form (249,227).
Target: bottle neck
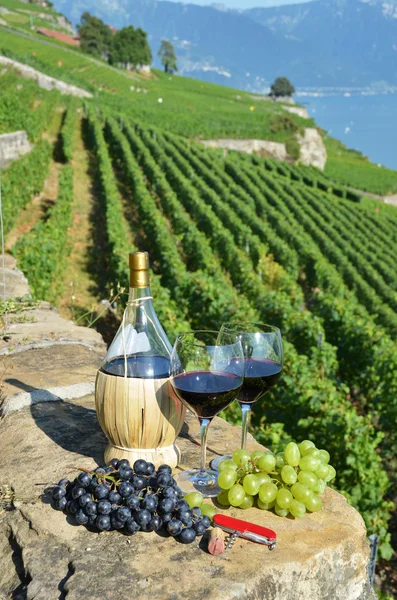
(138,293)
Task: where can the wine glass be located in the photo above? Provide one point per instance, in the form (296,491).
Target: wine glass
(263,362)
(207,370)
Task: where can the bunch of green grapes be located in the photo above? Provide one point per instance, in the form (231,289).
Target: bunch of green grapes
(291,481)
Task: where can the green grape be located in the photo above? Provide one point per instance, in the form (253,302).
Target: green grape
(297,509)
(226,479)
(292,454)
(321,486)
(313,503)
(256,455)
(288,474)
(281,512)
(194,499)
(241,457)
(262,478)
(267,462)
(222,498)
(300,491)
(322,471)
(227,464)
(248,502)
(324,456)
(251,485)
(313,452)
(264,505)
(208,510)
(267,492)
(309,463)
(308,478)
(331,473)
(284,498)
(236,495)
(280,460)
(305,445)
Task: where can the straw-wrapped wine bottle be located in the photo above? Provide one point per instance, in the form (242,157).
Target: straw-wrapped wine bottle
(136,406)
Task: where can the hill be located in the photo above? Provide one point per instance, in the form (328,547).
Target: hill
(232,236)
(321,43)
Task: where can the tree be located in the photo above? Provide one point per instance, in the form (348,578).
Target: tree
(95,36)
(167,55)
(282,87)
(130,48)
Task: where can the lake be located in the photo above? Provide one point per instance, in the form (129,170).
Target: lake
(365,123)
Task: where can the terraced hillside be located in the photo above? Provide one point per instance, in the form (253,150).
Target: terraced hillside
(229,236)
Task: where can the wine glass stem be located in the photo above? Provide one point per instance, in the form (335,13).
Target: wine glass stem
(245,410)
(204,424)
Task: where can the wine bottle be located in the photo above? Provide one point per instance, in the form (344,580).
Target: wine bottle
(136,406)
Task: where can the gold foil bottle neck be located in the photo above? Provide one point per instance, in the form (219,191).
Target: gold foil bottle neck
(139,269)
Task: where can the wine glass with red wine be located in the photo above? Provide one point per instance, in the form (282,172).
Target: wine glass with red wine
(263,362)
(207,370)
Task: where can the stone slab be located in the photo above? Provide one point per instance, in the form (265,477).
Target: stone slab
(43,326)
(320,557)
(12,146)
(16,284)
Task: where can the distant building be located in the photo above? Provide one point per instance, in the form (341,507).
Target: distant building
(61,37)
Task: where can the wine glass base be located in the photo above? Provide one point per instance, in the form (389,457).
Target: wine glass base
(195,480)
(214,464)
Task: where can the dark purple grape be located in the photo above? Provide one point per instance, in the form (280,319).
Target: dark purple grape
(101,491)
(77,492)
(115,522)
(150,469)
(58,492)
(131,526)
(74,507)
(142,517)
(93,484)
(152,481)
(140,467)
(100,471)
(164,480)
(85,499)
(81,517)
(174,527)
(125,489)
(206,521)
(115,463)
(115,498)
(84,479)
(165,468)
(200,528)
(124,463)
(182,505)
(123,513)
(155,523)
(187,536)
(196,512)
(166,505)
(61,503)
(63,482)
(139,482)
(170,492)
(166,517)
(103,522)
(104,507)
(126,473)
(184,515)
(90,508)
(133,502)
(150,503)
(92,519)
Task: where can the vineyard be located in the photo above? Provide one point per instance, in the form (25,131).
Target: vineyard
(233,236)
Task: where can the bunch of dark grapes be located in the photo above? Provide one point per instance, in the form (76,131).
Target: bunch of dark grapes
(130,499)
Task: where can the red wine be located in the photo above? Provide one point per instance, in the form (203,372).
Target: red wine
(260,375)
(206,393)
(140,366)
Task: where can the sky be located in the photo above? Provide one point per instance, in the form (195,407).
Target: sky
(241,3)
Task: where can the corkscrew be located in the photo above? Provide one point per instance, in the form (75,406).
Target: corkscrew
(249,531)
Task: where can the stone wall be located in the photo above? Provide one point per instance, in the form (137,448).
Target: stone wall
(45,81)
(274,149)
(13,145)
(312,149)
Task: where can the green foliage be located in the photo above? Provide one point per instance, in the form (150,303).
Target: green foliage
(95,36)
(282,87)
(68,128)
(293,148)
(167,56)
(43,251)
(130,48)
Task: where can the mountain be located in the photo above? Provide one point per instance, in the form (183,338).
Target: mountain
(321,43)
